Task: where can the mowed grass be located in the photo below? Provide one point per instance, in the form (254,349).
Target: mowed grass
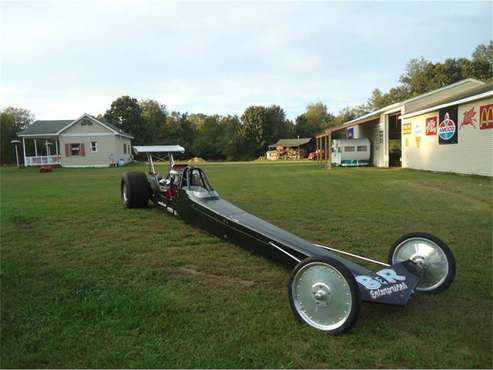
(87,283)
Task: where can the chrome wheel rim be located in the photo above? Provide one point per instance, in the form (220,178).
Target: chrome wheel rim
(124,194)
(322,296)
(427,255)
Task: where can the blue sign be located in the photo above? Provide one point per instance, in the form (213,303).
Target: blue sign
(350,132)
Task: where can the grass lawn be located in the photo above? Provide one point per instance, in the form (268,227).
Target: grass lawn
(86,283)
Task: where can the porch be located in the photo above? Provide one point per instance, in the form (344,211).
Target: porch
(45,150)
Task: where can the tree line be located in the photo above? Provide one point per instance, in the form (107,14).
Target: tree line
(246,137)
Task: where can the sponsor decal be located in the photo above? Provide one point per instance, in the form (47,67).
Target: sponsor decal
(431,126)
(374,294)
(417,128)
(468,119)
(448,132)
(385,282)
(418,141)
(486,116)
(407,128)
(350,132)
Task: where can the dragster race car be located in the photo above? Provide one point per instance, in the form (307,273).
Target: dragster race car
(325,288)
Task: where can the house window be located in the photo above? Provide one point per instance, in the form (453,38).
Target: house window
(124,148)
(349,148)
(361,148)
(94,146)
(74,149)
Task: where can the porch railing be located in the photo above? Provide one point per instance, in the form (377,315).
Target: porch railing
(43,160)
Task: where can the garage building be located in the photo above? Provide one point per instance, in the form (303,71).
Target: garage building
(448,129)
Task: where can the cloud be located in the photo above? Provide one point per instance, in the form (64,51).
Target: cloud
(62,59)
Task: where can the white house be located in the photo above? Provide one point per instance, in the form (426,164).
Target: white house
(83,142)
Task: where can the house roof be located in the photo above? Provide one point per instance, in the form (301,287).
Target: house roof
(290,142)
(479,90)
(55,127)
(421,101)
(111,126)
(480,93)
(42,127)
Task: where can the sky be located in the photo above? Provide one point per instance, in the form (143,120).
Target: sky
(63,59)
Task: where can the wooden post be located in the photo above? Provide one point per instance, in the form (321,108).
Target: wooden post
(16,155)
(56,147)
(316,147)
(24,151)
(329,140)
(35,148)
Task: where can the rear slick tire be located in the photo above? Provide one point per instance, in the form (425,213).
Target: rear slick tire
(134,190)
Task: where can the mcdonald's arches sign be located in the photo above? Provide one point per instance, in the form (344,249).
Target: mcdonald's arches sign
(486,116)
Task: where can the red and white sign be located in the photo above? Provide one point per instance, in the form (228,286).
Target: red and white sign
(431,126)
(469,118)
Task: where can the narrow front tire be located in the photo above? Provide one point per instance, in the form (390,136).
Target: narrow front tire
(324,294)
(431,254)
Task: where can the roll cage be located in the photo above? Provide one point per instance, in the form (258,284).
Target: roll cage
(183,176)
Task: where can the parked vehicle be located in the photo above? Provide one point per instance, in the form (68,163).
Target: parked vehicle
(325,289)
(351,152)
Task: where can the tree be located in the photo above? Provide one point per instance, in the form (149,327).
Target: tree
(233,139)
(314,120)
(252,131)
(482,60)
(125,113)
(179,130)
(275,125)
(12,120)
(260,127)
(153,115)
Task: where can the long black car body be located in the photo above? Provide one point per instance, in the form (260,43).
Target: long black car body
(325,288)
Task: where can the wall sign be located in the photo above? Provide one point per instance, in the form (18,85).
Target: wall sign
(486,116)
(350,132)
(431,126)
(468,119)
(407,128)
(448,132)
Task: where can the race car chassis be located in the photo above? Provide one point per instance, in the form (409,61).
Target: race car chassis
(326,287)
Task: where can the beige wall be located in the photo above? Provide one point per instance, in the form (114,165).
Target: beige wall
(105,148)
(119,141)
(109,145)
(471,155)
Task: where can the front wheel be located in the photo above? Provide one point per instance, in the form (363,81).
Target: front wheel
(324,294)
(134,189)
(431,254)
